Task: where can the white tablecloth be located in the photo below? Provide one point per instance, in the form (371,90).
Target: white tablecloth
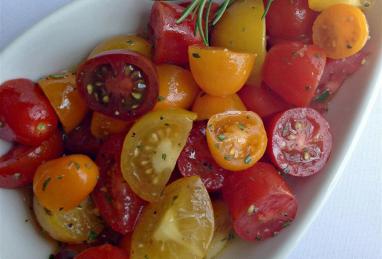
(350,224)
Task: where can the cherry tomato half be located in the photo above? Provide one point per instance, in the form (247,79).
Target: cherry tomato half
(121,84)
(260,202)
(18,166)
(293,70)
(62,184)
(103,126)
(103,252)
(118,205)
(237,140)
(300,141)
(25,114)
(196,159)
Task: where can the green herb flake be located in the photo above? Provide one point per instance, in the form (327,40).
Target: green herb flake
(46,183)
(241,126)
(164,156)
(286,224)
(130,42)
(60,177)
(195,55)
(221,137)
(75,164)
(322,97)
(248,159)
(92,235)
(57,76)
(228,158)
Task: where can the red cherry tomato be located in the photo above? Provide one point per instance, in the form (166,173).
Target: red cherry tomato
(25,114)
(171,39)
(293,71)
(119,206)
(262,100)
(260,202)
(300,141)
(196,159)
(81,141)
(103,252)
(121,84)
(18,166)
(290,21)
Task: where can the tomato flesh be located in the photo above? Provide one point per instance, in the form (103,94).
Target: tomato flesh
(260,202)
(196,159)
(121,84)
(18,166)
(300,141)
(25,114)
(171,39)
(103,252)
(119,206)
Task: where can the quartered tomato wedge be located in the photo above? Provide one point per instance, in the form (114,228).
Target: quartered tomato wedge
(122,84)
(118,205)
(196,159)
(237,140)
(151,149)
(179,225)
(299,141)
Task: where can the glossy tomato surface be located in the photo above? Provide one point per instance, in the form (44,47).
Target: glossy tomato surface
(121,84)
(293,71)
(18,166)
(25,114)
(300,141)
(171,39)
(103,252)
(290,21)
(118,205)
(260,202)
(196,159)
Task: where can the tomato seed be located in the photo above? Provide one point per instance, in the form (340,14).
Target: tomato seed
(90,88)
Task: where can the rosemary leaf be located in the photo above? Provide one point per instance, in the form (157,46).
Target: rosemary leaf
(219,14)
(269,3)
(188,10)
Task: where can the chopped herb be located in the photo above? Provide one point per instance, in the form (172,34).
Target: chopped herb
(164,156)
(174,198)
(322,97)
(167,125)
(248,159)
(48,212)
(221,137)
(130,42)
(45,184)
(286,224)
(92,235)
(60,177)
(57,76)
(61,209)
(196,55)
(267,8)
(161,98)
(228,158)
(41,127)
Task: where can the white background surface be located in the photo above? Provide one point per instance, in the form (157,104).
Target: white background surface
(350,224)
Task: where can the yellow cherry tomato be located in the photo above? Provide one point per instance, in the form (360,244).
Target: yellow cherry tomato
(341,31)
(320,5)
(63,183)
(103,126)
(179,225)
(236,139)
(218,71)
(61,91)
(177,88)
(246,34)
(74,226)
(205,105)
(125,42)
(151,149)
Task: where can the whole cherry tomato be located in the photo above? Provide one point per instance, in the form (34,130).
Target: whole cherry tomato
(260,202)
(103,126)
(118,205)
(63,183)
(103,252)
(18,166)
(25,114)
(121,84)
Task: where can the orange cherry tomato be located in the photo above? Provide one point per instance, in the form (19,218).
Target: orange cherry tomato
(341,31)
(218,71)
(205,105)
(236,139)
(63,183)
(61,91)
(177,88)
(103,126)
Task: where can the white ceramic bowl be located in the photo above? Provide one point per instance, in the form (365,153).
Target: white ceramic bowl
(65,37)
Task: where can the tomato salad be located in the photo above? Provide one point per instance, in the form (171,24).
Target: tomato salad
(171,145)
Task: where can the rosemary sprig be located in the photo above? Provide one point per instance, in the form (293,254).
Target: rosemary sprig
(269,3)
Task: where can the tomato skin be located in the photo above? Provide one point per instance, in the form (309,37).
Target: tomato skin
(170,39)
(119,206)
(290,21)
(24,160)
(293,71)
(260,202)
(262,100)
(299,141)
(103,252)
(34,121)
(196,159)
(121,84)
(103,126)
